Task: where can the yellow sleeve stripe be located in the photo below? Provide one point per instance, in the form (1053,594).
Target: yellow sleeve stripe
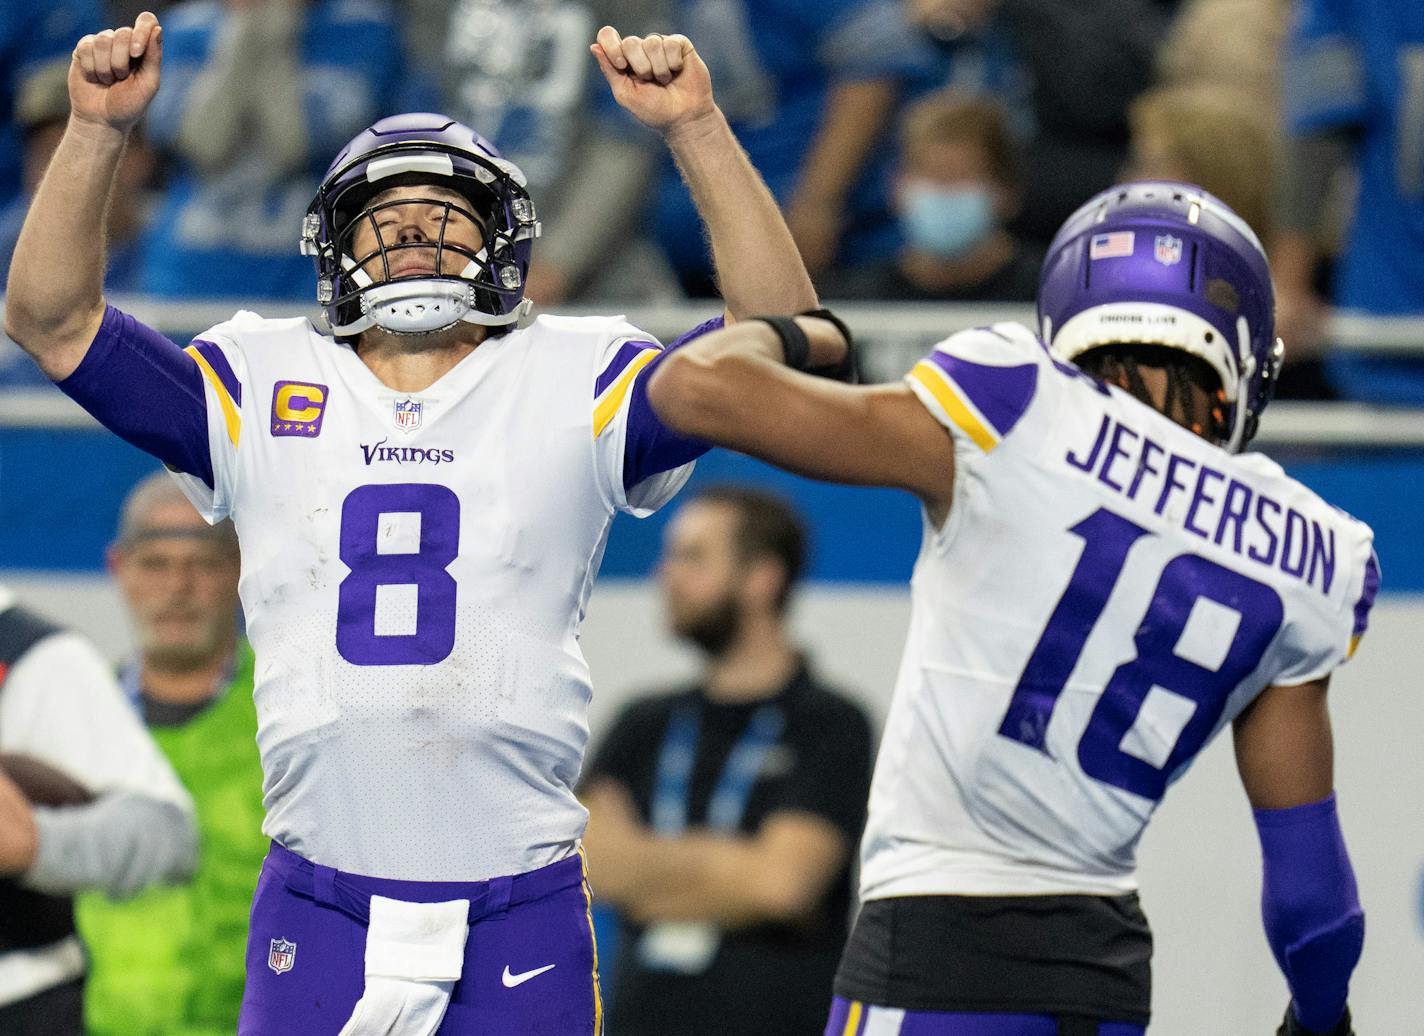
(853,1018)
(947,396)
(612,398)
(229,409)
(1354,643)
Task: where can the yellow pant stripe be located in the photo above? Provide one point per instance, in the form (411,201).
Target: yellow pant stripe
(853,1018)
(593,938)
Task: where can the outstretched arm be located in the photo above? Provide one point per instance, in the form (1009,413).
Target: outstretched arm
(55,302)
(1309,902)
(733,388)
(663,82)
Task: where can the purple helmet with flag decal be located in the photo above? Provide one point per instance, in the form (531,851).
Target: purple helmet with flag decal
(1164,263)
(421,149)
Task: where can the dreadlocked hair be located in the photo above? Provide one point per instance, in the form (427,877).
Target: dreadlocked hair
(1195,398)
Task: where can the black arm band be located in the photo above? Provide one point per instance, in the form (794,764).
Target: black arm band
(848,370)
(826,314)
(793,340)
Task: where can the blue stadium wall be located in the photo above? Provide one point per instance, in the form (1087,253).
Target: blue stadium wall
(60,491)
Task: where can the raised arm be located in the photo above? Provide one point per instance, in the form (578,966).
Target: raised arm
(55,303)
(733,388)
(663,82)
(1309,901)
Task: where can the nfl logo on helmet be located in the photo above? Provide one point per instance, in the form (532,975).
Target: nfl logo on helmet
(282,955)
(407,414)
(1168,250)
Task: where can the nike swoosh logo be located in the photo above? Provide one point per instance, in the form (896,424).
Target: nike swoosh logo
(510,981)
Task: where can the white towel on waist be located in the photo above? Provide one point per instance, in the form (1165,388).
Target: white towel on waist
(414,956)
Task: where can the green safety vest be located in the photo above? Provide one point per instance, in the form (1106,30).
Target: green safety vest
(171,961)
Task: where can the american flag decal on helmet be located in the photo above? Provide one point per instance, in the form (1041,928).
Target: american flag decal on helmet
(1112,246)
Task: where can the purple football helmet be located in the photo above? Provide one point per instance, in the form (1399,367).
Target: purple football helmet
(1163,263)
(423,149)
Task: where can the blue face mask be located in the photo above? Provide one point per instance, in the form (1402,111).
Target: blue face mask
(946,221)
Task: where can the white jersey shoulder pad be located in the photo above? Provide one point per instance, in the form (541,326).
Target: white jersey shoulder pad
(979,383)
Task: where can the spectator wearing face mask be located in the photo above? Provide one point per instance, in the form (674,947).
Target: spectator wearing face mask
(958,184)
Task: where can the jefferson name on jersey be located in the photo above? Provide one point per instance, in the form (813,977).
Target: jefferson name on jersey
(1051,693)
(1206,502)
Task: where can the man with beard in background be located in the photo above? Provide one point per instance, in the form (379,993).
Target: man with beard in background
(721,816)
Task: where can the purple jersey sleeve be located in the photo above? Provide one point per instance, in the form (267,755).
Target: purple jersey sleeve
(146,390)
(651,447)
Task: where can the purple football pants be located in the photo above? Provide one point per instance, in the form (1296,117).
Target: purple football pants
(853,1018)
(530,963)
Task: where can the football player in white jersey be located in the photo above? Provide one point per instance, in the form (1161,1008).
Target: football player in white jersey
(422,498)
(1105,582)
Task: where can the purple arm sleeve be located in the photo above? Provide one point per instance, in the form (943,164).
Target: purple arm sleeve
(651,446)
(147,391)
(1311,908)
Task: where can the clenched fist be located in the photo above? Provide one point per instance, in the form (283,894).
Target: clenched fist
(114,74)
(661,80)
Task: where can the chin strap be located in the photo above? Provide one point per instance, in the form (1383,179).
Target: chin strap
(423,305)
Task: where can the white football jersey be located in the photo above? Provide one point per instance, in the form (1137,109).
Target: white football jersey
(1108,592)
(415,567)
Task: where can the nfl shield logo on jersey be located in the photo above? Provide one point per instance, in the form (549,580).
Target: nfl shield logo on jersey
(282,955)
(1168,250)
(407,414)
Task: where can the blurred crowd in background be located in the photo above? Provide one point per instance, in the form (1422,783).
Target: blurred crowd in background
(923,150)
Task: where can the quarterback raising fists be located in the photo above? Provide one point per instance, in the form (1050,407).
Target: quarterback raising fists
(114,73)
(661,80)
(423,488)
